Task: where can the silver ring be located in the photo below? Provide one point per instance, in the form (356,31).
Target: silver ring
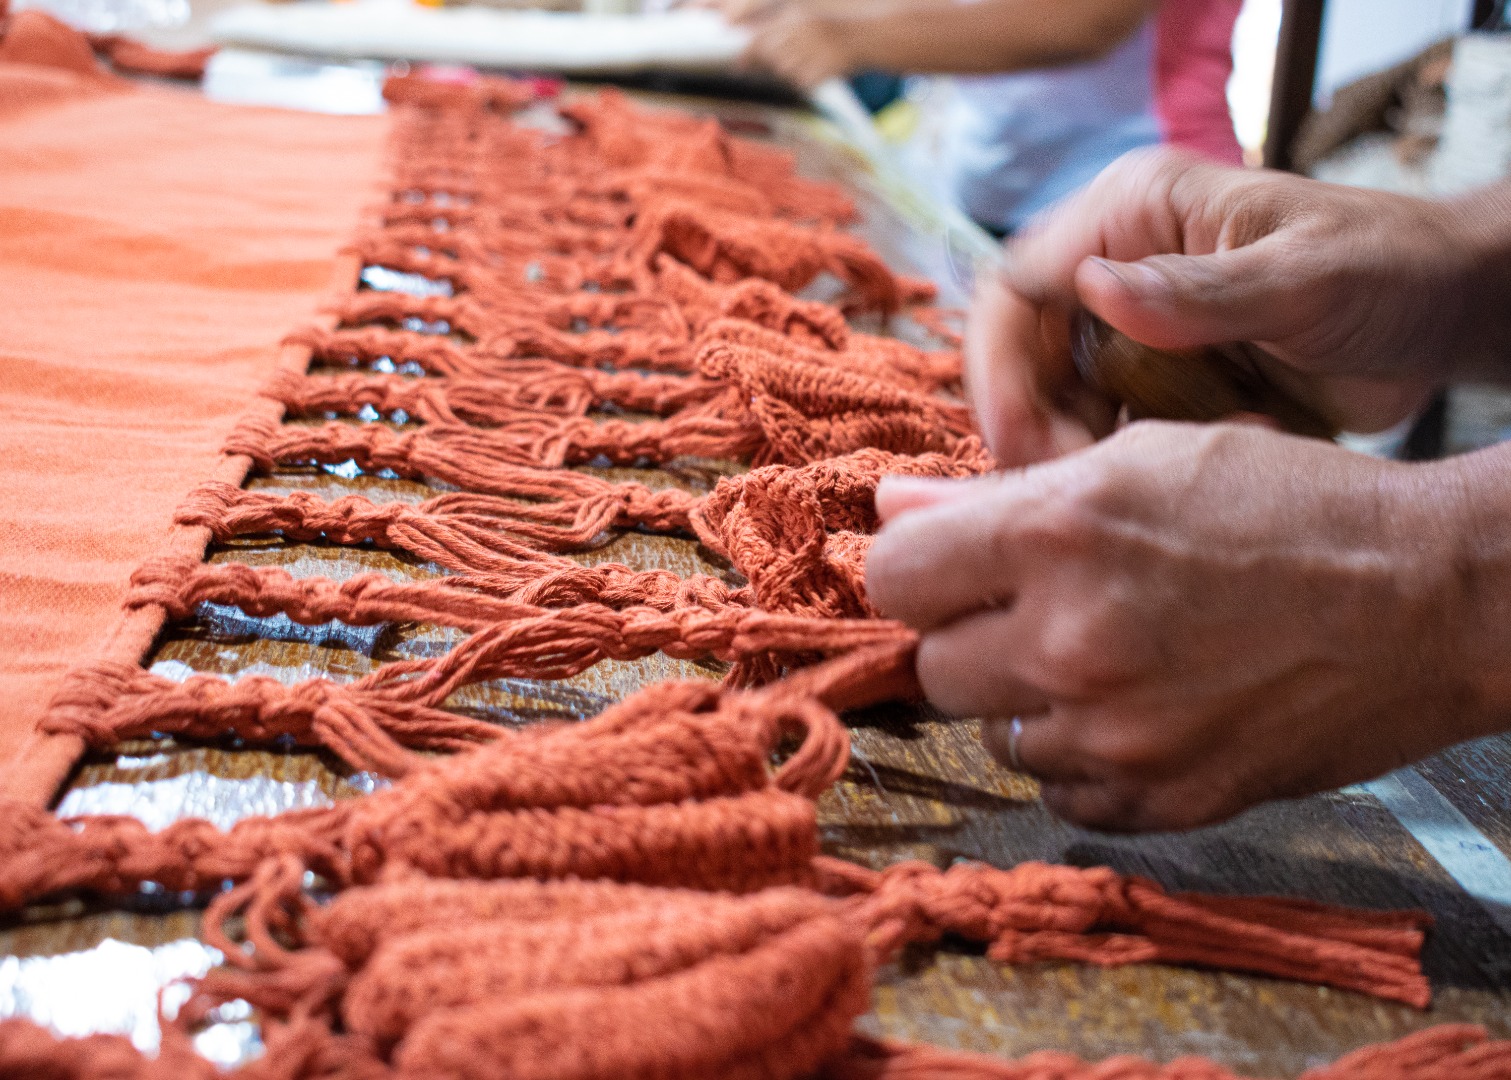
(1014,733)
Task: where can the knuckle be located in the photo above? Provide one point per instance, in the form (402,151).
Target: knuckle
(1156,435)
(1082,654)
(1127,749)
(1067,653)
(1064,524)
(1146,168)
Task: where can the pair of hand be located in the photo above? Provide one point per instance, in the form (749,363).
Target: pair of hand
(1188,619)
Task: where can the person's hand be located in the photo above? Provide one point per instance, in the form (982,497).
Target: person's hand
(739,12)
(1360,296)
(802,46)
(1191,619)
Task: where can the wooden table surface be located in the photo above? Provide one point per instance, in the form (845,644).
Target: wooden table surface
(920,786)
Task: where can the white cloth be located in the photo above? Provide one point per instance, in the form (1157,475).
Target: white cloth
(1014,144)
(566,42)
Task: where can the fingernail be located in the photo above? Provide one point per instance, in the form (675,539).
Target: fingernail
(1113,270)
(1134,277)
(896,495)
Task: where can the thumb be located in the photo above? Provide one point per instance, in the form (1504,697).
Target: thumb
(1184,301)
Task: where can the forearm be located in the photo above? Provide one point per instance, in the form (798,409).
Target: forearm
(989,35)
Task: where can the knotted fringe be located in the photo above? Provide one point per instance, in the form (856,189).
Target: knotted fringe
(372,723)
(797,535)
(641,894)
(770,408)
(1459,1051)
(668,780)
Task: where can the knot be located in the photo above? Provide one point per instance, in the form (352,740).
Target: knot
(668,510)
(159,582)
(82,705)
(915,902)
(313,338)
(770,525)
(208,506)
(254,436)
(229,512)
(810,411)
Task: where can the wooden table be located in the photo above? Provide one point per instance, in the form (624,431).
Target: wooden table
(920,786)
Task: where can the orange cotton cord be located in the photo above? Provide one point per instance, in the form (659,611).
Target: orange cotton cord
(640,894)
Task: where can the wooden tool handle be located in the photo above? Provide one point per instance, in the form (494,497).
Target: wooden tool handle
(1198,384)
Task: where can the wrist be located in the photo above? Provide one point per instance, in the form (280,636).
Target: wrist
(1467,505)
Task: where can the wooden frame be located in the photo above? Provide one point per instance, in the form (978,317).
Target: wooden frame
(1296,54)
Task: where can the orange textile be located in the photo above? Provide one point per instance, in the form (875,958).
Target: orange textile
(154,248)
(641,895)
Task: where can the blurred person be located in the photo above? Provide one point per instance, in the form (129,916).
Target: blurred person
(1046,95)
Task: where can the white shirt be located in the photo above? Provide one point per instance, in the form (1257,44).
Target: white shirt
(1013,144)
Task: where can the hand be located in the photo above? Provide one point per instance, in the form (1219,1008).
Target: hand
(738,12)
(1360,296)
(802,47)
(1193,619)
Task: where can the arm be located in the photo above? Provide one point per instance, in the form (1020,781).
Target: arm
(813,41)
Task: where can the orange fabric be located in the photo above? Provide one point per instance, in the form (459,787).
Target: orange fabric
(154,248)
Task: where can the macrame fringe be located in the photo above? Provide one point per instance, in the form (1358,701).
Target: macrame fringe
(641,894)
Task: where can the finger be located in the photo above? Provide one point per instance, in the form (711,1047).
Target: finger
(1093,805)
(897,495)
(1018,371)
(1360,403)
(1183,301)
(740,12)
(1122,806)
(937,563)
(967,669)
(1045,750)
(1125,213)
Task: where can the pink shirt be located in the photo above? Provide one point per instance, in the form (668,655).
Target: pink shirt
(1193,59)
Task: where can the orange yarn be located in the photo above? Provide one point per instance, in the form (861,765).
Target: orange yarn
(640,895)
